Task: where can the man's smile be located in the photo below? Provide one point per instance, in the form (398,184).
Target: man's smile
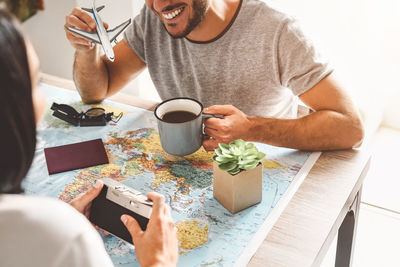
(181,17)
(170,15)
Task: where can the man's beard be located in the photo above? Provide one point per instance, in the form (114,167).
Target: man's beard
(200,8)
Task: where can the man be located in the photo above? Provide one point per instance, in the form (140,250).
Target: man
(240,58)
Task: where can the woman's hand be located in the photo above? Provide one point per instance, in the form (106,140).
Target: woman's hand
(158,245)
(83,202)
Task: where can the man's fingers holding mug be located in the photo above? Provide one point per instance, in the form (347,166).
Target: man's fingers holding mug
(218,136)
(220,109)
(210,144)
(211,132)
(214,123)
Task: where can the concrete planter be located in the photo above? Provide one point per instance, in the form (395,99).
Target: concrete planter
(240,191)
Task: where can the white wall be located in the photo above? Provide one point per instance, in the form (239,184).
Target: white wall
(362,40)
(46,31)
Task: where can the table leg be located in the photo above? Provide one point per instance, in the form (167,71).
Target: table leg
(347,234)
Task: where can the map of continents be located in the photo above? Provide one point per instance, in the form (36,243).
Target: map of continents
(137,159)
(208,234)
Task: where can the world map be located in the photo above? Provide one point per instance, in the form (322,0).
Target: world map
(208,234)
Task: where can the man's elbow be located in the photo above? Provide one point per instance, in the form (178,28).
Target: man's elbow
(356,133)
(91,99)
(90,95)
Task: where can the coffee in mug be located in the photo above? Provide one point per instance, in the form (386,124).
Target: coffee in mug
(178,116)
(180,125)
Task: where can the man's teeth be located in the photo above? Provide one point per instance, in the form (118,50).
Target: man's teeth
(172,14)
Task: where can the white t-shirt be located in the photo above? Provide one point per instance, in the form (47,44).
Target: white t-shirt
(38,231)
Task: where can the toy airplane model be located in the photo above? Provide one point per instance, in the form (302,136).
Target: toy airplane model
(101,36)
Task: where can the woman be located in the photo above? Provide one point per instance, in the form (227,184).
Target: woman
(37,231)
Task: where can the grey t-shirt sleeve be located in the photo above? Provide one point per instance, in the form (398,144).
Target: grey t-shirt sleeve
(134,35)
(299,65)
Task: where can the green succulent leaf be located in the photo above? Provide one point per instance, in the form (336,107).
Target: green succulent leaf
(250,151)
(228,155)
(246,161)
(239,142)
(234,171)
(251,156)
(222,159)
(218,151)
(236,151)
(237,156)
(224,148)
(250,145)
(250,166)
(228,166)
(260,155)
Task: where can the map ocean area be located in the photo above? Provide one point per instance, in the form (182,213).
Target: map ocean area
(208,234)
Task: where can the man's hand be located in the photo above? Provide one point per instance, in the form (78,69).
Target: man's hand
(234,125)
(334,124)
(158,245)
(83,202)
(95,77)
(80,19)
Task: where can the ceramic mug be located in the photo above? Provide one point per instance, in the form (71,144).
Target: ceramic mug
(181,138)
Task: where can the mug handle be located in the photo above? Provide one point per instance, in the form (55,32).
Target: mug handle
(208,116)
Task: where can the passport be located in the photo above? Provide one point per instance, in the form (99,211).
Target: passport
(75,156)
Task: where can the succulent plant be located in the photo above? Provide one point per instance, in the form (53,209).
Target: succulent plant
(237,156)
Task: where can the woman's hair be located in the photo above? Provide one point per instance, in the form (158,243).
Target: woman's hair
(17,118)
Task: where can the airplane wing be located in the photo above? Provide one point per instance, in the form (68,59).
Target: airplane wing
(99,8)
(112,34)
(90,10)
(88,35)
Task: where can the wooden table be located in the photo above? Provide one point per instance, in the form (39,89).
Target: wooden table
(327,203)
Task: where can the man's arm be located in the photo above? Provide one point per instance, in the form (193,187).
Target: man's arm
(334,124)
(95,77)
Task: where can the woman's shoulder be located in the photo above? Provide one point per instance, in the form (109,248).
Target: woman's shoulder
(35,211)
(47,227)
